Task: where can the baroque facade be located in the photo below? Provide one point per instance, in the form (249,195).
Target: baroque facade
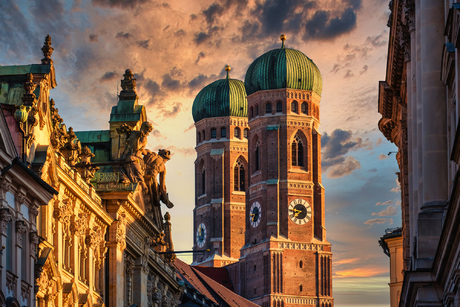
(80,214)
(259,201)
(418,102)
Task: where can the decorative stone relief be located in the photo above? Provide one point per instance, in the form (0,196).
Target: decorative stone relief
(21,229)
(11,281)
(129,263)
(150,293)
(71,149)
(121,231)
(79,224)
(63,213)
(34,241)
(409,10)
(5,185)
(25,290)
(86,169)
(5,218)
(94,239)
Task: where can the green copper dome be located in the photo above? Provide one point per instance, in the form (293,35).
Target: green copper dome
(224,97)
(283,68)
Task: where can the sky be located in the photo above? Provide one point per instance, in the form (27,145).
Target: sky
(177,47)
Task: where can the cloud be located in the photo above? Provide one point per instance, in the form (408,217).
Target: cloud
(378,142)
(378,40)
(183,151)
(323,26)
(109,76)
(189,128)
(170,83)
(360,272)
(397,188)
(123,35)
(336,145)
(388,202)
(345,261)
(383,157)
(174,111)
(349,74)
(389,211)
(144,44)
(346,168)
(93,37)
(364,70)
(371,222)
(372,170)
(123,4)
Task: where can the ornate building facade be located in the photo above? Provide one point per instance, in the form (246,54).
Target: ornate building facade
(275,217)
(80,216)
(418,102)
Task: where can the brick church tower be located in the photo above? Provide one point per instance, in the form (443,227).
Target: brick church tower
(286,259)
(259,198)
(221,171)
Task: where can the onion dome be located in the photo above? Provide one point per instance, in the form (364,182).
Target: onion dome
(224,97)
(283,68)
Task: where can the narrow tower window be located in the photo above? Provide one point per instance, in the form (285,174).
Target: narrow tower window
(203,182)
(257,157)
(199,137)
(236,132)
(294,106)
(251,112)
(213,133)
(257,110)
(204,136)
(238,176)
(223,132)
(297,152)
(304,108)
(268,108)
(279,107)
(246,133)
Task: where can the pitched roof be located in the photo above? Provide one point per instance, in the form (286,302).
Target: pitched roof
(209,287)
(220,275)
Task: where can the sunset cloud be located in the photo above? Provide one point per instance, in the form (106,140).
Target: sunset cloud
(360,272)
(389,211)
(372,222)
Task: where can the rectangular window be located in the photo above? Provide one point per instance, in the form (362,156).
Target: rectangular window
(279,107)
(213,133)
(223,133)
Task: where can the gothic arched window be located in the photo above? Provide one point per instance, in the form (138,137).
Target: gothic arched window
(213,133)
(268,108)
(294,106)
(297,151)
(246,133)
(223,132)
(238,176)
(279,107)
(304,108)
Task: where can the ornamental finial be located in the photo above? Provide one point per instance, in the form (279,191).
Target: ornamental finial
(128,84)
(282,38)
(47,51)
(228,68)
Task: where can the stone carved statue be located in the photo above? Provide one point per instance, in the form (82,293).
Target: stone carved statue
(135,149)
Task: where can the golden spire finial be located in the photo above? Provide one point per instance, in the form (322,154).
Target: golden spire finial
(282,38)
(228,68)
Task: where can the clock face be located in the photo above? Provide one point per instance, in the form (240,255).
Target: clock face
(201,235)
(255,214)
(299,211)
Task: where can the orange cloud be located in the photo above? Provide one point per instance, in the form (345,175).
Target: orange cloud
(345,261)
(360,272)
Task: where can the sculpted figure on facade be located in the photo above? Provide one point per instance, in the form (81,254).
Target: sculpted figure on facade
(155,165)
(87,171)
(135,149)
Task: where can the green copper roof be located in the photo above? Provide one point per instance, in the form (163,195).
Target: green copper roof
(126,111)
(225,97)
(24,69)
(283,68)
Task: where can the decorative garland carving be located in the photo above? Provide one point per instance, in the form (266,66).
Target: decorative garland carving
(63,213)
(11,281)
(34,241)
(79,224)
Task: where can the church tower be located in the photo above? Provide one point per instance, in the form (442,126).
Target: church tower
(221,172)
(286,259)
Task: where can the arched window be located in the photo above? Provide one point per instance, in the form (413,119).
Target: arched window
(304,108)
(246,133)
(294,106)
(257,110)
(251,112)
(223,132)
(236,132)
(199,137)
(297,151)
(268,108)
(257,156)
(279,107)
(213,133)
(203,181)
(238,176)
(204,136)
